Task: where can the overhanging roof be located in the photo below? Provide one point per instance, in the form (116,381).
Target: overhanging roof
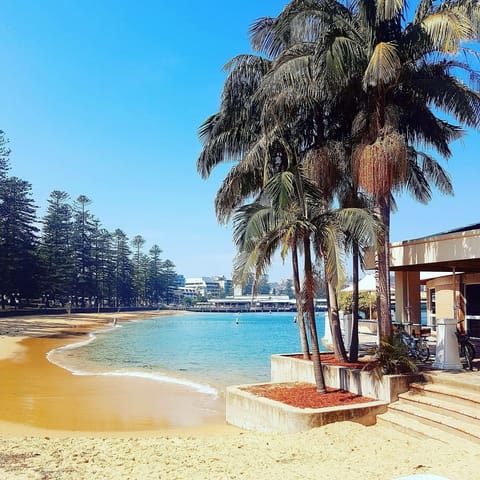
(457,249)
(467,228)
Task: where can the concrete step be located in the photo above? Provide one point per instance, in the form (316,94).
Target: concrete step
(466,429)
(458,395)
(413,427)
(443,404)
(462,380)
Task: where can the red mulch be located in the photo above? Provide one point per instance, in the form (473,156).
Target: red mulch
(305,395)
(329,359)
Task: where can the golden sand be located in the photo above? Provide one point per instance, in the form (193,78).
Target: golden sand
(55,425)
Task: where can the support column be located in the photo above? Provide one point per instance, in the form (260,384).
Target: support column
(407,297)
(327,339)
(446,355)
(346,322)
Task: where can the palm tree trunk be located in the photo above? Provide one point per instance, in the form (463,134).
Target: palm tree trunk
(338,344)
(310,308)
(382,267)
(299,301)
(353,353)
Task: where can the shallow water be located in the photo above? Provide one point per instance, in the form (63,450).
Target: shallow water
(206,351)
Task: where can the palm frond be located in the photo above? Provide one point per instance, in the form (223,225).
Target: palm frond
(447,29)
(333,254)
(417,183)
(359,223)
(436,174)
(263,37)
(341,55)
(244,180)
(280,188)
(389,9)
(424,9)
(383,67)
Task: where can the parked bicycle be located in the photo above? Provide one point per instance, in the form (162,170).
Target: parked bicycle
(466,348)
(417,346)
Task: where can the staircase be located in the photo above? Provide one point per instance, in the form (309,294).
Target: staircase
(446,407)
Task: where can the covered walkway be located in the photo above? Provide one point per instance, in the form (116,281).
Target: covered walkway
(448,264)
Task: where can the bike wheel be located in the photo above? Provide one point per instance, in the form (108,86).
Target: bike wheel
(472,349)
(423,353)
(469,355)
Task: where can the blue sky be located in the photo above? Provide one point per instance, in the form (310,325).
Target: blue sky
(104,99)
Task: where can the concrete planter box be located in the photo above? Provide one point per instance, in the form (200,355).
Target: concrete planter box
(285,368)
(251,412)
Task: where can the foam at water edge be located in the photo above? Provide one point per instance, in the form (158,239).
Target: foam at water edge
(207,389)
(90,338)
(165,378)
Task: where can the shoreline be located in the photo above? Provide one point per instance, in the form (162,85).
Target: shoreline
(41,396)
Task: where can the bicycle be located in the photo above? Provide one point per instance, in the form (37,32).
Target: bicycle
(466,348)
(417,347)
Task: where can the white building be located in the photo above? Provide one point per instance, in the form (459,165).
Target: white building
(202,286)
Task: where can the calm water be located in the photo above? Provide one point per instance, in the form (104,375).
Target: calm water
(206,351)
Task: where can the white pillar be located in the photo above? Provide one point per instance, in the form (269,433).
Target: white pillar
(446,355)
(347,320)
(327,339)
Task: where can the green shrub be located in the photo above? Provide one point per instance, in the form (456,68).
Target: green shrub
(391,357)
(366,303)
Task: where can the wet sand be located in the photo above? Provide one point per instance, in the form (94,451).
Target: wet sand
(41,395)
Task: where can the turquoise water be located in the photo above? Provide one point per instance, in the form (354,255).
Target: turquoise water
(206,351)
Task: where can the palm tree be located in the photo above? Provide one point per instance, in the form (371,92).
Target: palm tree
(227,134)
(404,69)
(280,125)
(280,218)
(389,74)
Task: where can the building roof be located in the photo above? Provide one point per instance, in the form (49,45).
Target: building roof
(457,249)
(467,228)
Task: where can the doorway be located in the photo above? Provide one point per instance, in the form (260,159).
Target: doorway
(472,309)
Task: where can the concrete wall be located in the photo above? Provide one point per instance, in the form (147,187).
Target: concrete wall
(387,388)
(252,412)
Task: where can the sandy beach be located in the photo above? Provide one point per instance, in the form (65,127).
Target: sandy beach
(55,425)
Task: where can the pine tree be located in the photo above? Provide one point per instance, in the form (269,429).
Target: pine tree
(124,291)
(18,241)
(55,251)
(83,227)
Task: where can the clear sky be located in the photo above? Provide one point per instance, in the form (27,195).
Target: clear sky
(104,99)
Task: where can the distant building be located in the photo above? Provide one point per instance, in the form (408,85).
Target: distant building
(225,285)
(203,286)
(178,280)
(247,303)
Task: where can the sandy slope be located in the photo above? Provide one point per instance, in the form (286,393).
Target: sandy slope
(338,451)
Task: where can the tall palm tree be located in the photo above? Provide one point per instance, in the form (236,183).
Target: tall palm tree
(280,124)
(260,229)
(389,73)
(262,150)
(404,68)
(284,213)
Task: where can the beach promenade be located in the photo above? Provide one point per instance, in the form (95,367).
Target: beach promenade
(55,425)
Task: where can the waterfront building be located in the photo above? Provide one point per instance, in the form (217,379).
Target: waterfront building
(247,303)
(203,287)
(448,264)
